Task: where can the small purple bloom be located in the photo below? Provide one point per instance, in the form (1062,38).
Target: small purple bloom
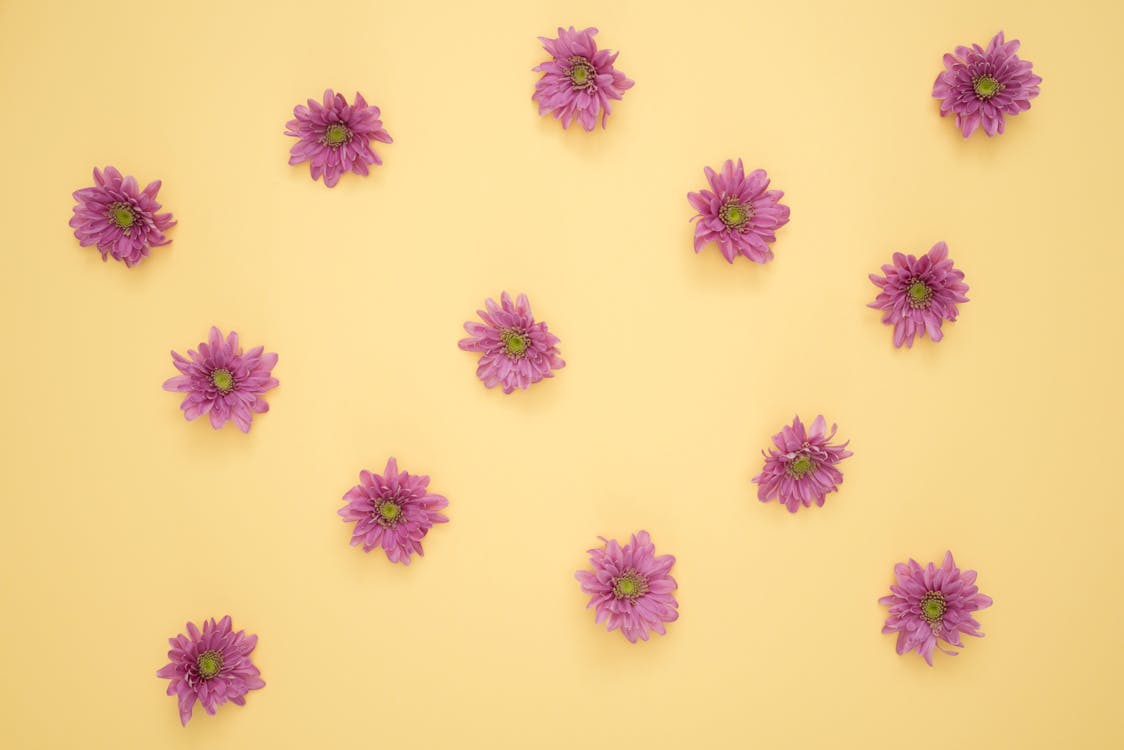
(222,381)
(931,604)
(515,350)
(119,217)
(393,511)
(919,293)
(630,587)
(981,86)
(580,80)
(802,467)
(212,666)
(739,213)
(335,137)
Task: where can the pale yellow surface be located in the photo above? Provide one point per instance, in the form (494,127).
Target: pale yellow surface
(121,521)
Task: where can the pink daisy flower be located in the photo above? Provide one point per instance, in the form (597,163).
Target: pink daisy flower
(738,213)
(802,467)
(580,80)
(515,350)
(929,605)
(918,294)
(222,381)
(981,86)
(393,511)
(119,217)
(211,666)
(335,137)
(630,587)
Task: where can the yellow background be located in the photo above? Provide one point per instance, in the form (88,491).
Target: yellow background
(121,521)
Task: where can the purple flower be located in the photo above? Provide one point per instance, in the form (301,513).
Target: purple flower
(738,213)
(212,666)
(515,350)
(630,587)
(335,137)
(802,467)
(933,604)
(222,381)
(579,81)
(119,217)
(981,86)
(393,511)
(919,293)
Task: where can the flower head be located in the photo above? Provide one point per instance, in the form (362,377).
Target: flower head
(212,666)
(393,511)
(739,213)
(335,137)
(119,217)
(222,381)
(580,80)
(929,605)
(981,86)
(918,294)
(802,467)
(630,587)
(515,350)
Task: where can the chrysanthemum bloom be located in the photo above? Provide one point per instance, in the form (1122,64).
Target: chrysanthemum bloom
(580,80)
(739,213)
(222,381)
(515,350)
(929,605)
(802,467)
(630,587)
(335,137)
(982,86)
(119,217)
(212,666)
(393,511)
(918,294)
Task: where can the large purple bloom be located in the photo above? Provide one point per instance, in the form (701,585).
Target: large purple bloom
(802,467)
(929,605)
(211,666)
(393,511)
(119,217)
(981,86)
(335,137)
(580,80)
(630,587)
(222,381)
(515,350)
(918,294)
(739,213)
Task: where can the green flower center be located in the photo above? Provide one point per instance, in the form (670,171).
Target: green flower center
(336,135)
(223,380)
(932,607)
(630,586)
(801,466)
(389,512)
(919,293)
(209,663)
(515,343)
(582,73)
(986,87)
(735,214)
(123,215)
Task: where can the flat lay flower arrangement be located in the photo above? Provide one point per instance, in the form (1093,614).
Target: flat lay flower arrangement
(631,589)
(321,282)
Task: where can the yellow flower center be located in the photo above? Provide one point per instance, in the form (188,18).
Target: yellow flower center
(389,512)
(735,214)
(933,607)
(801,466)
(582,73)
(630,586)
(919,293)
(515,343)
